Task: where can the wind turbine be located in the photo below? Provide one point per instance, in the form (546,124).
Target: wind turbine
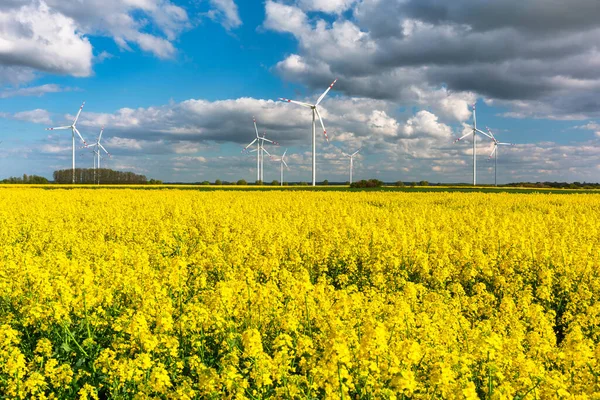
(97,146)
(351,156)
(281,164)
(315,110)
(474,132)
(260,141)
(257,150)
(495,153)
(74,130)
(263,139)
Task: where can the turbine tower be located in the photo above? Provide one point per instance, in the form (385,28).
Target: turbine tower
(263,139)
(281,164)
(474,132)
(96,150)
(74,130)
(495,153)
(260,141)
(315,111)
(351,157)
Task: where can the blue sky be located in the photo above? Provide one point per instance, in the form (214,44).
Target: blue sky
(176,85)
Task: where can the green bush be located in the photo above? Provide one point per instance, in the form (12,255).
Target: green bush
(371,183)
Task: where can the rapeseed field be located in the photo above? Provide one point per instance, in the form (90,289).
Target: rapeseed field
(124,294)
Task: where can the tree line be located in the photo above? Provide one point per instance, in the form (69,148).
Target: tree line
(103,175)
(26,179)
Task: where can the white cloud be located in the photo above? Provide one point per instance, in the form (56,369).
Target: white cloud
(591,126)
(226,13)
(38,37)
(327,6)
(34,91)
(425,124)
(37,116)
(284,18)
(54,149)
(123,143)
(202,140)
(382,124)
(542,66)
(52,35)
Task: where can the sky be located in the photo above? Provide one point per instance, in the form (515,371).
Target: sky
(177,83)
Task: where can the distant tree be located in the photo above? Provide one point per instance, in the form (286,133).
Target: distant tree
(399,184)
(413,184)
(259,183)
(325,182)
(218,182)
(155,182)
(423,183)
(205,183)
(275,182)
(26,179)
(102,175)
(371,183)
(302,184)
(242,182)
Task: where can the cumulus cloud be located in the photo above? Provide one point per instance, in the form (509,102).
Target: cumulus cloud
(195,122)
(52,35)
(226,13)
(37,116)
(37,91)
(591,126)
(426,124)
(327,6)
(536,59)
(38,37)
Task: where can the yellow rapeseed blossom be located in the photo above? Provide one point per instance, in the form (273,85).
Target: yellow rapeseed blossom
(182,294)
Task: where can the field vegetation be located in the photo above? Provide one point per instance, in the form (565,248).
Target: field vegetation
(173,294)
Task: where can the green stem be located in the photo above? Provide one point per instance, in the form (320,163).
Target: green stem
(75,340)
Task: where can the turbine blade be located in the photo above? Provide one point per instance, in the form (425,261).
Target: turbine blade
(485,134)
(255,128)
(297,102)
(101,131)
(251,143)
(490,132)
(102,147)
(265,150)
(58,128)
(322,124)
(356,152)
(78,113)
(79,134)
(462,137)
(284,154)
(325,93)
(284,163)
(506,144)
(493,151)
